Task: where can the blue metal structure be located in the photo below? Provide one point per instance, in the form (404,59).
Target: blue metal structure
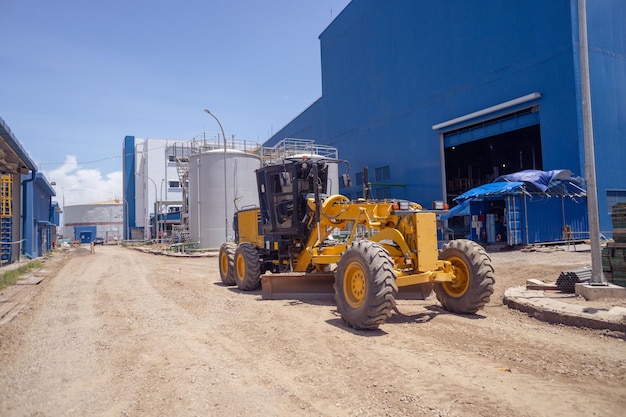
(13,158)
(128,163)
(85,234)
(29,218)
(437,97)
(518,213)
(166,220)
(55,213)
(38,215)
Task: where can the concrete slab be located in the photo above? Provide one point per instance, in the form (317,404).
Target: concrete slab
(6,307)
(13,300)
(596,292)
(30,280)
(552,310)
(535,284)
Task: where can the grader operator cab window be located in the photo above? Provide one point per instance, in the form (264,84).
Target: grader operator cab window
(282,199)
(283,193)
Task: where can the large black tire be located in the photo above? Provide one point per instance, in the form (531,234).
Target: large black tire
(227,263)
(473,285)
(365,285)
(247,267)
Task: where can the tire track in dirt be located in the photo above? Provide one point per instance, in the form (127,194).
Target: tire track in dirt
(127,333)
(275,345)
(55,355)
(173,360)
(266,336)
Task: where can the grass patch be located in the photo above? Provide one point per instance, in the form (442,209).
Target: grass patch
(10,277)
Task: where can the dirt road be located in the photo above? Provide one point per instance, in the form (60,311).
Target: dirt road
(125,333)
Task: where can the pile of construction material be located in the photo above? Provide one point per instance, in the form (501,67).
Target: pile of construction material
(614,254)
(567,280)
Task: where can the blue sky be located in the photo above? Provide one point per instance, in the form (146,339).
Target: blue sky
(78,76)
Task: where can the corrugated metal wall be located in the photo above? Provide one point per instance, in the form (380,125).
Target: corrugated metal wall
(391,70)
(543,219)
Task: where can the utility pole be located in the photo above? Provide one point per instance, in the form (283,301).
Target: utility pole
(597,277)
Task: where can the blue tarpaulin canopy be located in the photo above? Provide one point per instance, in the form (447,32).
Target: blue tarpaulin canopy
(555,182)
(551,183)
(462,209)
(493,189)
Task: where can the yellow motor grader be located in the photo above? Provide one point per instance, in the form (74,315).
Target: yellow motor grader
(368,248)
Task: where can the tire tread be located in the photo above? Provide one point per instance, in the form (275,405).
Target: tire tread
(380,301)
(482,278)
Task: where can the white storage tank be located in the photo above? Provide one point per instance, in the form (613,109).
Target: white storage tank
(106,216)
(208,215)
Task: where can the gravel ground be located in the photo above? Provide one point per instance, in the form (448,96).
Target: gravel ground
(126,333)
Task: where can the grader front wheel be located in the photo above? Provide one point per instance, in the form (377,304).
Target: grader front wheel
(474,278)
(247,267)
(365,286)
(227,263)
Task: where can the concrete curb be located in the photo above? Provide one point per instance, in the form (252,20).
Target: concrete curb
(204,254)
(536,304)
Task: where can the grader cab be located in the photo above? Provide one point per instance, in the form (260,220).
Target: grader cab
(369,248)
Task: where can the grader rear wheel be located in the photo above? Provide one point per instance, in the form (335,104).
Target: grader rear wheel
(474,277)
(247,267)
(227,263)
(365,285)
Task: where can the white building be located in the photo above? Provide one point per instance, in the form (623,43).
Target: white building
(157,183)
(155,173)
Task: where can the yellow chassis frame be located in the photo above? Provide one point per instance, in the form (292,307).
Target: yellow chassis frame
(409,236)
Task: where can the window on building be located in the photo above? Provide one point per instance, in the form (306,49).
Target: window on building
(382,174)
(382,192)
(613,197)
(173,184)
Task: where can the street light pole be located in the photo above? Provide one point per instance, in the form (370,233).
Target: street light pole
(225,176)
(163,221)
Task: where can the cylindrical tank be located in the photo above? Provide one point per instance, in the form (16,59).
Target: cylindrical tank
(210,218)
(105,216)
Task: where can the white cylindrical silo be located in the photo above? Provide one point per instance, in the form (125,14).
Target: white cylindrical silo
(210,219)
(105,216)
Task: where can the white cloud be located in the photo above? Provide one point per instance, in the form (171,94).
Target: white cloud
(76,185)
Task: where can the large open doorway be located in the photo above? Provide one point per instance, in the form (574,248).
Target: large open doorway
(481,161)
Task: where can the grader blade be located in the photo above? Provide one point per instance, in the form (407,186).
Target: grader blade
(296,285)
(415,292)
(300,285)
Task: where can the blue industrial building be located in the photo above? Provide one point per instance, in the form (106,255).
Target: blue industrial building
(437,97)
(39,214)
(28,216)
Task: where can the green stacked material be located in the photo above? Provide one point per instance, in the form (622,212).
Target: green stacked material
(614,265)
(619,222)
(606,265)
